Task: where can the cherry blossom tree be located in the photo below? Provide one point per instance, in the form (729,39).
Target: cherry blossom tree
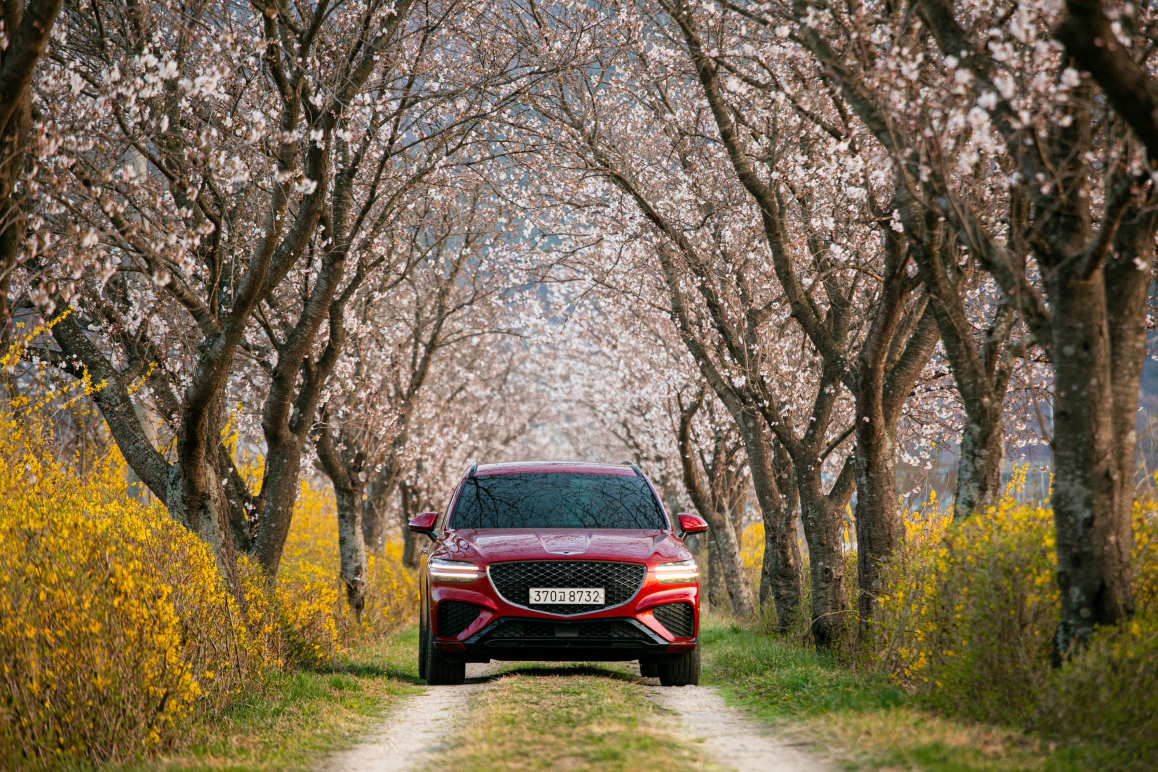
(458,272)
(25,29)
(718,492)
(1007,161)
(175,132)
(157,168)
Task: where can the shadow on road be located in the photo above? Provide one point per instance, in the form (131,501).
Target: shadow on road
(497,670)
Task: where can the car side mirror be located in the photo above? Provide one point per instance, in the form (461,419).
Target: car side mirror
(424,523)
(691,523)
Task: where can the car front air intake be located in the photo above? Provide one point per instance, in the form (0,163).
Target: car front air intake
(620,582)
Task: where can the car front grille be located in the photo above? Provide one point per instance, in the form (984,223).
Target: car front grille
(678,618)
(545,634)
(620,581)
(454,617)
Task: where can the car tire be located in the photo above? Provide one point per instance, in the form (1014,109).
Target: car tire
(648,668)
(422,646)
(440,670)
(683,670)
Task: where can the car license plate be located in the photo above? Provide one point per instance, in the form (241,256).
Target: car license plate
(581,595)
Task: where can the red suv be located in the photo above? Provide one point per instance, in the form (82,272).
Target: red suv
(558,561)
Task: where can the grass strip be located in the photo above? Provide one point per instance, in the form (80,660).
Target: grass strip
(300,716)
(861,720)
(569,718)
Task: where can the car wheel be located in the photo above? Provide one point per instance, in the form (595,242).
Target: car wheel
(422,633)
(682,671)
(440,670)
(648,668)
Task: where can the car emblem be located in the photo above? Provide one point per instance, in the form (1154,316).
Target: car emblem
(563,552)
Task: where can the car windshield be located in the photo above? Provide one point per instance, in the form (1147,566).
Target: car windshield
(557,500)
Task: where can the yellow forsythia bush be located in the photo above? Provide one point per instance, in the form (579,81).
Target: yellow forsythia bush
(968,617)
(114,626)
(752,553)
(311,598)
(1109,692)
(969,612)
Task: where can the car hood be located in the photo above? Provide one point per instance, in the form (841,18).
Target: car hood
(498,544)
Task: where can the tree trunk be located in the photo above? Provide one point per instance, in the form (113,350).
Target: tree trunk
(982,457)
(718,599)
(379,493)
(723,540)
(889,363)
(823,520)
(13,137)
(410,506)
(345,472)
(823,529)
(373,534)
(1092,556)
(780,574)
(351,546)
(194,496)
(279,493)
(1128,275)
(26,32)
(878,524)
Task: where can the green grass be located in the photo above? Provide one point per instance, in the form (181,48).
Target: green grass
(300,716)
(597,718)
(862,720)
(570,718)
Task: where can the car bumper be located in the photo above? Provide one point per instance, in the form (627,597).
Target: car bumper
(504,631)
(602,640)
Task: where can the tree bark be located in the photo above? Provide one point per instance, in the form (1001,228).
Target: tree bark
(410,551)
(352,548)
(1093,561)
(878,523)
(194,495)
(1128,277)
(781,570)
(981,460)
(345,472)
(279,494)
(823,520)
(27,29)
(718,599)
(1089,37)
(891,358)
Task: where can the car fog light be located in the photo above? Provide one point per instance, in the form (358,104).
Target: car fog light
(453,571)
(675,573)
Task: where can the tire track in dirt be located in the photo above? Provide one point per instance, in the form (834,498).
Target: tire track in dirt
(732,738)
(414,731)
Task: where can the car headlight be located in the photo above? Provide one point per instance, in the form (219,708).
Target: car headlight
(676,573)
(453,571)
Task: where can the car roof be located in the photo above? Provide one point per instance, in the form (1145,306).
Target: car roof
(568,467)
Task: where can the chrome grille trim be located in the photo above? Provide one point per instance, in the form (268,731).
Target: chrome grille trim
(540,610)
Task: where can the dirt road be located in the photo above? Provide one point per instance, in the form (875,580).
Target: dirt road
(415,734)
(733,739)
